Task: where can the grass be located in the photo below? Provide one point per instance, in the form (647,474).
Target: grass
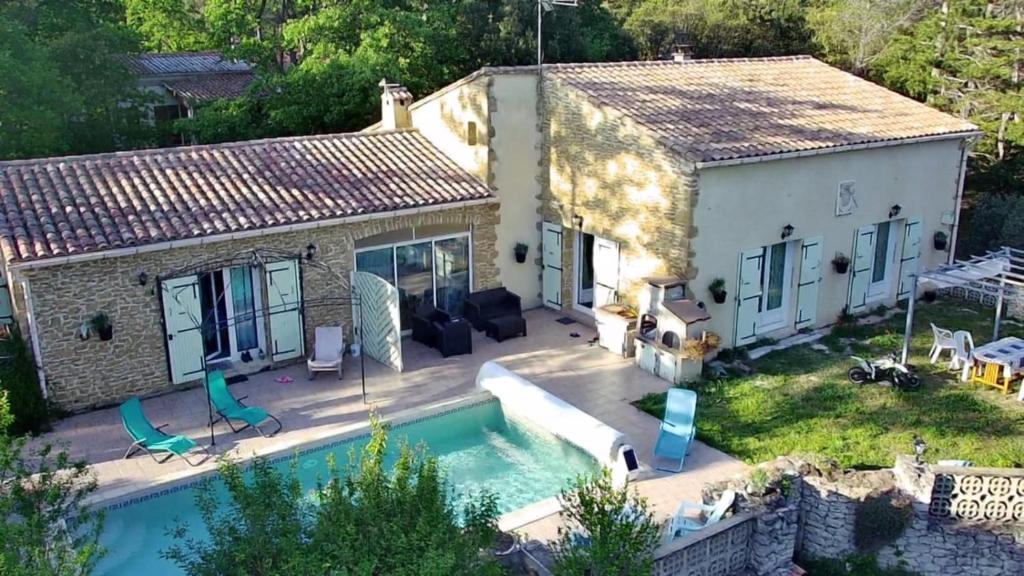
(799,400)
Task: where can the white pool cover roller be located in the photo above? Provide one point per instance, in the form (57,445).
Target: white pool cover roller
(551,413)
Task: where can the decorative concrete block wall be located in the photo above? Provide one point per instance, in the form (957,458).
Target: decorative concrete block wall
(719,550)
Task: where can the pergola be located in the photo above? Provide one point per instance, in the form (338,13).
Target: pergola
(999,273)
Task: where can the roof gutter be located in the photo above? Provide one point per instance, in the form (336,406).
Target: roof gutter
(835,149)
(213,239)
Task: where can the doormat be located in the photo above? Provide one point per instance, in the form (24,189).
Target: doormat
(566,320)
(236,379)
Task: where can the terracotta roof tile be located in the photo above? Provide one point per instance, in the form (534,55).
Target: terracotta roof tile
(63,206)
(708,110)
(158,63)
(206,87)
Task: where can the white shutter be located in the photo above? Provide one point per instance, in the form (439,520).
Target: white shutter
(748,298)
(284,306)
(183,317)
(552,275)
(606,272)
(911,256)
(860,275)
(6,310)
(810,281)
(377,319)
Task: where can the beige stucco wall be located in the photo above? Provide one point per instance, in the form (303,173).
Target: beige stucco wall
(608,170)
(744,207)
(90,373)
(443,119)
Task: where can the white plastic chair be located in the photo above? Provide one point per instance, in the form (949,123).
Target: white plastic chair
(327,351)
(942,340)
(681,525)
(963,353)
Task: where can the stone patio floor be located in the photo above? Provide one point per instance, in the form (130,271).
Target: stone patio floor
(578,371)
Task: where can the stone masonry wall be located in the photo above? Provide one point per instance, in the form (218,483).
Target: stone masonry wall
(624,184)
(82,374)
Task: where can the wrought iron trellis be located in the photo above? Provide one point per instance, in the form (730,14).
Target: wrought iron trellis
(259,258)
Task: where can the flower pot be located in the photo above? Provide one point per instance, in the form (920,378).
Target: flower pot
(940,243)
(719,297)
(520,257)
(106,333)
(841,267)
(930,295)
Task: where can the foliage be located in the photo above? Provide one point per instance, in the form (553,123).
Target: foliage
(996,220)
(100,321)
(39,491)
(717,285)
(852,34)
(608,531)
(880,519)
(799,400)
(370,520)
(706,344)
(63,86)
(20,381)
(855,565)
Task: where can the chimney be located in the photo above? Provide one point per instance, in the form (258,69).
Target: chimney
(681,50)
(394,106)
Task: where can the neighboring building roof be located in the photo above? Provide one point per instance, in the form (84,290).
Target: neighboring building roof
(67,206)
(206,87)
(169,63)
(715,110)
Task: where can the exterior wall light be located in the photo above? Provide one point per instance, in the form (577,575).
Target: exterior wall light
(787,231)
(311,251)
(895,210)
(577,221)
(142,277)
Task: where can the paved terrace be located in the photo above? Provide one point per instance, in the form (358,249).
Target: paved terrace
(596,381)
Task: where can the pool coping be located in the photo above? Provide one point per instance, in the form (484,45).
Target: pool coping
(117,497)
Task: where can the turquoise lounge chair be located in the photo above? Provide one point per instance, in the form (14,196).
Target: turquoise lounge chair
(229,408)
(151,439)
(681,525)
(677,428)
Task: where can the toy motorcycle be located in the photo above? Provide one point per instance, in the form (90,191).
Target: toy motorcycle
(887,371)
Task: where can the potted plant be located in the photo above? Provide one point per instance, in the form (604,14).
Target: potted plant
(100,322)
(520,251)
(940,240)
(717,289)
(841,263)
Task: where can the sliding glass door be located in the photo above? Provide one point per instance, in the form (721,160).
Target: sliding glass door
(434,270)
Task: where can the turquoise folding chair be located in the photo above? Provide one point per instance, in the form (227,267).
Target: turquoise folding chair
(230,409)
(151,439)
(677,429)
(681,525)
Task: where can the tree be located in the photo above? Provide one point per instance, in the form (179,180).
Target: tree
(852,33)
(607,531)
(39,491)
(374,519)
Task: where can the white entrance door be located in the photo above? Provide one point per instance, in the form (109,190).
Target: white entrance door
(810,281)
(883,261)
(552,276)
(377,318)
(606,272)
(860,276)
(182,327)
(777,274)
(284,306)
(911,256)
(748,298)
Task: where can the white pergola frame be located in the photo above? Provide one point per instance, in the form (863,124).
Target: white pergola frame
(998,272)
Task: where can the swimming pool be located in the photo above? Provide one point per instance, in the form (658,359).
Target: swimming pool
(477,445)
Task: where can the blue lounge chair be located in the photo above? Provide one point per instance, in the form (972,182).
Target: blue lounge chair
(681,525)
(229,408)
(677,428)
(151,439)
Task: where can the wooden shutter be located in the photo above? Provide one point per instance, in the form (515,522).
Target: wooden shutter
(183,318)
(911,256)
(860,276)
(748,298)
(6,310)
(810,282)
(552,275)
(379,321)
(284,306)
(606,272)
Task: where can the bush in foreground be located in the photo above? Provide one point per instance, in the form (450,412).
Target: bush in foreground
(372,520)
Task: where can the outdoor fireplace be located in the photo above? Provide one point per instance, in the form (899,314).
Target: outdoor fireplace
(668,319)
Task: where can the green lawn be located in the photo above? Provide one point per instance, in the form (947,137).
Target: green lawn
(799,401)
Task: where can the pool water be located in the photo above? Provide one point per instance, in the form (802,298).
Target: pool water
(477,446)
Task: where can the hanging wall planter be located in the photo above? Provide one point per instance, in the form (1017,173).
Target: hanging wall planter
(841,263)
(520,252)
(717,289)
(100,323)
(940,240)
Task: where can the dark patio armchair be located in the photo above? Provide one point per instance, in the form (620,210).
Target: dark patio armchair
(485,305)
(437,329)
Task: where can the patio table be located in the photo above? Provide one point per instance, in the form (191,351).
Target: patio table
(1007,353)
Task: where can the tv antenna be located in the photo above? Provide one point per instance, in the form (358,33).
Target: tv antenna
(542,7)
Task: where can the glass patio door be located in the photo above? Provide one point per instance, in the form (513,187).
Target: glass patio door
(451,265)
(414,271)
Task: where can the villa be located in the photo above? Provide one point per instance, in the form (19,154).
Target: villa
(754,171)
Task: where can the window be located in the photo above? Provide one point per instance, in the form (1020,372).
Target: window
(471,133)
(881,259)
(244,309)
(776,275)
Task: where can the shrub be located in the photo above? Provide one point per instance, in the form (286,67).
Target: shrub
(856,565)
(19,378)
(369,520)
(39,490)
(880,519)
(608,531)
